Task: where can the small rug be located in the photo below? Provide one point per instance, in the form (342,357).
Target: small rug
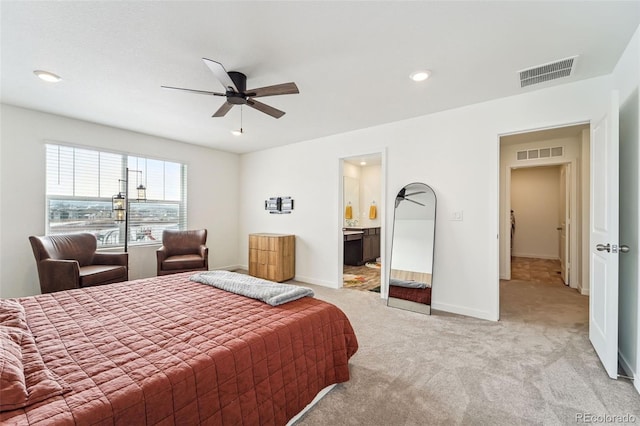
(375,289)
(350,280)
(374,265)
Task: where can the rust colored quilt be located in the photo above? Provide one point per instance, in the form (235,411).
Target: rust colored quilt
(418,295)
(167,350)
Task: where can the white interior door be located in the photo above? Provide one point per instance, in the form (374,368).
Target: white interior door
(603,269)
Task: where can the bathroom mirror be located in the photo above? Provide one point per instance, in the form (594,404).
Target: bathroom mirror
(412,243)
(351,194)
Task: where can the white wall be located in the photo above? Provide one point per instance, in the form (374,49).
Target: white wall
(370,192)
(626,77)
(456,152)
(212,191)
(535,200)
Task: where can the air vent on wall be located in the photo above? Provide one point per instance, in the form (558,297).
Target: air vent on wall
(547,72)
(533,154)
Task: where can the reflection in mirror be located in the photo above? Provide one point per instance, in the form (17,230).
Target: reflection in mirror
(410,275)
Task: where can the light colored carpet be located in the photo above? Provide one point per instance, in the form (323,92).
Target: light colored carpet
(534,366)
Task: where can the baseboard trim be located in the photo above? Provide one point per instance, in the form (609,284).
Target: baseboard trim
(584,291)
(462,310)
(628,368)
(231,267)
(299,278)
(314,281)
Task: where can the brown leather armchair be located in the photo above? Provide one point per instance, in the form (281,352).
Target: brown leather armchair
(183,251)
(70,261)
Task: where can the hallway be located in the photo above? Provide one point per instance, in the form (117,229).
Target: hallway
(545,271)
(536,294)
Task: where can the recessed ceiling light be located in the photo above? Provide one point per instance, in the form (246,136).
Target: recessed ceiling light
(363,163)
(47,76)
(420,75)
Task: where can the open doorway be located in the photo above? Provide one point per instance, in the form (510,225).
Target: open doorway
(544,212)
(361,222)
(540,223)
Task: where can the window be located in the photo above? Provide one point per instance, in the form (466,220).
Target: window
(81,183)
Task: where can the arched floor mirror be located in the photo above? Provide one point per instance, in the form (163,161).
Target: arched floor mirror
(412,247)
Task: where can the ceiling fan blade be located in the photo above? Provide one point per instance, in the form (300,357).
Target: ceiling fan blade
(276,89)
(274,112)
(414,193)
(223,110)
(221,74)
(201,92)
(409,199)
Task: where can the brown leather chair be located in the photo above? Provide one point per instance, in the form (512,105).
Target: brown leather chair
(183,251)
(70,261)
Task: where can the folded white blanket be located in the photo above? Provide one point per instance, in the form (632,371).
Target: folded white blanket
(245,285)
(406,283)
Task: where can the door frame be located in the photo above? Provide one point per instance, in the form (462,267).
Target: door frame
(566,219)
(574,251)
(384,289)
(507,208)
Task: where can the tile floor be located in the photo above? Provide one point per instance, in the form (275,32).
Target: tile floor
(371,277)
(539,270)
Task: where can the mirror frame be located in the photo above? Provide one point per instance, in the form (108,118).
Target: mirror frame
(406,304)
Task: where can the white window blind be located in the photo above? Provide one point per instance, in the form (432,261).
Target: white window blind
(81,183)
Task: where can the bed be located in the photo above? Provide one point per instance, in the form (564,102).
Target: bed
(167,350)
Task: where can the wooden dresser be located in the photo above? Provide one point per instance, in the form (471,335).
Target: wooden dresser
(272,256)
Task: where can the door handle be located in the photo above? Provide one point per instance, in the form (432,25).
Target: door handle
(602,247)
(624,248)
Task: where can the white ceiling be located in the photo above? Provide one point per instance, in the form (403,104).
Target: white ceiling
(350,60)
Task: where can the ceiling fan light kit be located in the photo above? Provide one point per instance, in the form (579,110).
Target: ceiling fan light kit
(236,93)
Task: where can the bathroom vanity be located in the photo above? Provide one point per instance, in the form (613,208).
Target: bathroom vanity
(361,245)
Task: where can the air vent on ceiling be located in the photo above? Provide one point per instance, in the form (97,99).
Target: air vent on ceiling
(533,154)
(547,72)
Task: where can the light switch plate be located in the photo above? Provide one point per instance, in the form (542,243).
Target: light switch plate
(457,215)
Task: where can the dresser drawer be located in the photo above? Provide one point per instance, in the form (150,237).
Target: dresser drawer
(272,256)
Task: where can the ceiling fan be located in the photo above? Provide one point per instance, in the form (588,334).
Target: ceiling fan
(235,85)
(403,196)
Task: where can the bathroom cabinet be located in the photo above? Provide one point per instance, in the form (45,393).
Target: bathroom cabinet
(361,245)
